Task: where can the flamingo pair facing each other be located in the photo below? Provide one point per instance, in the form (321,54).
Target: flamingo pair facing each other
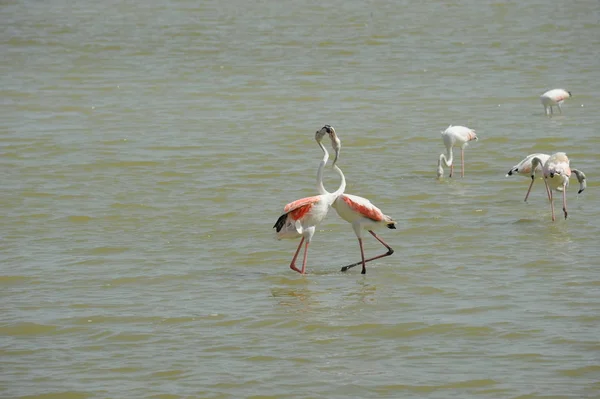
(300,218)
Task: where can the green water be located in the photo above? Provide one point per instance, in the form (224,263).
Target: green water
(147,148)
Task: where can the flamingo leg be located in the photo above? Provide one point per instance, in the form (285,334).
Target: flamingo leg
(565,200)
(559,108)
(362,256)
(548,192)
(388,253)
(529,190)
(552,205)
(462,162)
(305,256)
(293,264)
(451,169)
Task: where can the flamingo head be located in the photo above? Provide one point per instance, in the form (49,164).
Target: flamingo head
(321,133)
(336,144)
(335,141)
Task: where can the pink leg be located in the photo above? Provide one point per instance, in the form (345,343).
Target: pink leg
(548,192)
(552,205)
(529,190)
(462,162)
(565,199)
(388,253)
(293,264)
(451,169)
(305,256)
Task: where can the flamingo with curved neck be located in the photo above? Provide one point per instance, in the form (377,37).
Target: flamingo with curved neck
(360,213)
(301,217)
(454,136)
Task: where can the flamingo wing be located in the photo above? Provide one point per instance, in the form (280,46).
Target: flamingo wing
(471,135)
(297,209)
(363,207)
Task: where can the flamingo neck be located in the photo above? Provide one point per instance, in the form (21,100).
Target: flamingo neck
(446,160)
(535,163)
(320,187)
(342,186)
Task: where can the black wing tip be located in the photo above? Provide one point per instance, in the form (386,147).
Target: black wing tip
(391,225)
(280,222)
(580,191)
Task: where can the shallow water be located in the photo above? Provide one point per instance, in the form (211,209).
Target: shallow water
(148,148)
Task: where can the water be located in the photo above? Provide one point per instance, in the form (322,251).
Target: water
(147,148)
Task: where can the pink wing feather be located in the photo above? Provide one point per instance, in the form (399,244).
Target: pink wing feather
(297,209)
(364,207)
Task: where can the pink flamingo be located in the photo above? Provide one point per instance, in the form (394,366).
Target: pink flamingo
(524,168)
(362,215)
(557,171)
(301,217)
(554,97)
(455,136)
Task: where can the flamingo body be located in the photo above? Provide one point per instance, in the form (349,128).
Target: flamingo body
(363,215)
(455,136)
(557,171)
(554,97)
(302,215)
(360,213)
(525,168)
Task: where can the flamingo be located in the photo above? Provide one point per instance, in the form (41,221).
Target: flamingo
(301,217)
(554,97)
(524,168)
(362,215)
(455,136)
(557,171)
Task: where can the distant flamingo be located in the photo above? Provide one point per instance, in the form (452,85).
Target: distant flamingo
(302,216)
(554,97)
(362,215)
(524,168)
(556,172)
(455,136)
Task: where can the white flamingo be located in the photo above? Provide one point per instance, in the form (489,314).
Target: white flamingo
(554,97)
(557,171)
(301,217)
(455,136)
(524,168)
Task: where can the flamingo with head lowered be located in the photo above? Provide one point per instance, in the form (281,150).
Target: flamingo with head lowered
(362,215)
(554,97)
(301,217)
(557,171)
(455,136)
(525,168)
